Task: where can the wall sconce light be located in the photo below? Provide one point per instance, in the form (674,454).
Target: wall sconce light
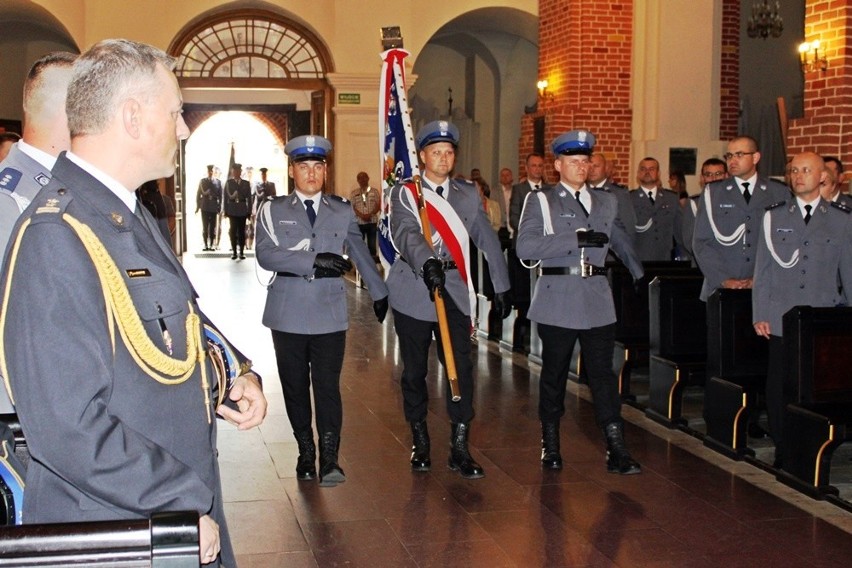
(810,57)
(543,94)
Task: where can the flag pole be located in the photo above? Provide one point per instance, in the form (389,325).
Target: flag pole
(399,158)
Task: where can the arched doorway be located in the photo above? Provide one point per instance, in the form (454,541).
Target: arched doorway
(254,60)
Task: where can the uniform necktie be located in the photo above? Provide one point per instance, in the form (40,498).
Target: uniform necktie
(807,213)
(746,193)
(440,190)
(537,187)
(309,209)
(577,196)
(651,197)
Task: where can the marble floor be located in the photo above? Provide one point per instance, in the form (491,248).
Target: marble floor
(690,507)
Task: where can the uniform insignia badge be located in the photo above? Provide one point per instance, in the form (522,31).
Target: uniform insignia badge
(9,179)
(581,136)
(562,193)
(444,126)
(117,218)
(42,179)
(310,141)
(51,205)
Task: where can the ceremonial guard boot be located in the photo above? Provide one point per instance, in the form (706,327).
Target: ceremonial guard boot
(330,473)
(420,460)
(460,458)
(306,468)
(550,457)
(618,459)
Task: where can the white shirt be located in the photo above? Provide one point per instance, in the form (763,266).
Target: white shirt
(127,196)
(314,198)
(39,156)
(752,182)
(801,203)
(585,197)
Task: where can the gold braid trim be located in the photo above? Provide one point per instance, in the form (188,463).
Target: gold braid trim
(13,257)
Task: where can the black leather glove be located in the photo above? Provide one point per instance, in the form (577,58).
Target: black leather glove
(591,239)
(380,307)
(329,264)
(433,275)
(502,304)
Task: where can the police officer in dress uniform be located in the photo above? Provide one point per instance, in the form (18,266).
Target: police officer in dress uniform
(305,238)
(264,189)
(728,219)
(568,228)
(237,208)
(658,214)
(420,271)
(804,258)
(208,200)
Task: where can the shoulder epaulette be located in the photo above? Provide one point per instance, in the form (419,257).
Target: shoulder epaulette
(775,205)
(602,188)
(842,206)
(339,198)
(9,179)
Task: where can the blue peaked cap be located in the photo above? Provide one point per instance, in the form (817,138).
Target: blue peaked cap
(437,131)
(308,147)
(574,142)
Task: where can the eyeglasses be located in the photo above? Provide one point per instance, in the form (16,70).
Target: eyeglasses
(737,155)
(713,174)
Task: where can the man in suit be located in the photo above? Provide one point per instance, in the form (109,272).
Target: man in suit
(503,196)
(598,180)
(307,239)
(712,169)
(237,208)
(103,339)
(727,222)
(567,227)
(520,274)
(208,200)
(804,258)
(422,270)
(657,214)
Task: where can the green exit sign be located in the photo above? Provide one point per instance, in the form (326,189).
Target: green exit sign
(349,98)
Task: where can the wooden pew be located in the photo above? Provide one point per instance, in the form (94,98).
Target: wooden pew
(167,540)
(818,341)
(632,340)
(678,345)
(736,369)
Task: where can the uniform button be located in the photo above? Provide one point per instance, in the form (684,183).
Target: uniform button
(748,218)
(806,243)
(312,250)
(805,257)
(802,286)
(804,271)
(313,235)
(61,191)
(748,259)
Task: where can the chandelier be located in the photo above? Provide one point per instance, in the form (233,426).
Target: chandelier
(765,20)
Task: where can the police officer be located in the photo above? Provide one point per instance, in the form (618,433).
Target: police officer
(264,189)
(658,214)
(568,228)
(208,200)
(305,238)
(421,271)
(728,219)
(237,208)
(804,258)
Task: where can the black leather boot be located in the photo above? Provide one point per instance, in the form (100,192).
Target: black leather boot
(618,459)
(420,460)
(330,472)
(306,468)
(460,458)
(550,457)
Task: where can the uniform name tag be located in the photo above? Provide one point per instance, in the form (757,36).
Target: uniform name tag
(779,230)
(726,206)
(567,215)
(138,273)
(288,222)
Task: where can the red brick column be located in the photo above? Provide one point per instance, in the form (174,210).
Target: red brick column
(826,127)
(730,72)
(585,55)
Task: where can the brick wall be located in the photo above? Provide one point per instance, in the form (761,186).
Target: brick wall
(826,127)
(585,54)
(730,73)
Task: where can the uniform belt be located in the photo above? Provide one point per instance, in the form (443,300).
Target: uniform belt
(585,270)
(292,275)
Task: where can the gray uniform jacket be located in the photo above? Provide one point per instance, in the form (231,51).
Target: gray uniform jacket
(717,261)
(571,301)
(237,198)
(303,304)
(817,259)
(209,196)
(408,293)
(626,213)
(107,440)
(657,226)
